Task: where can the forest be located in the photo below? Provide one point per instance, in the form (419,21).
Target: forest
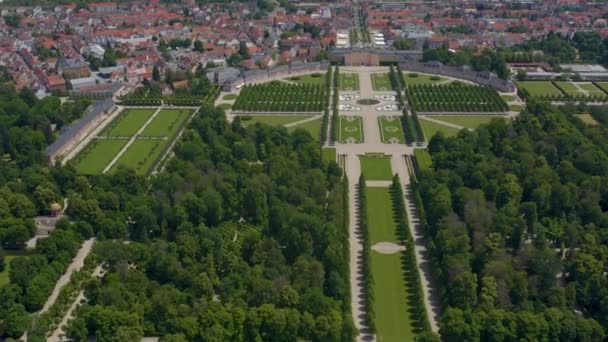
(515,218)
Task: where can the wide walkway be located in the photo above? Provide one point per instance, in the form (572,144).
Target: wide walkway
(373,144)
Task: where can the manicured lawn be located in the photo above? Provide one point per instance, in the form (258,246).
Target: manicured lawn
(580,89)
(141,155)
(393,321)
(376,167)
(602,85)
(430,128)
(587,119)
(229,97)
(273,120)
(329,154)
(380,216)
(128,123)
(569,88)
(224,106)
(381,82)
(313,127)
(467,121)
(508,98)
(591,89)
(414,78)
(4,279)
(166,123)
(316,78)
(97,155)
(351,129)
(390,129)
(539,88)
(515,108)
(423,158)
(349,82)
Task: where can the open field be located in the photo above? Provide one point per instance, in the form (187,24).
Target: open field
(4,278)
(423,158)
(349,82)
(539,88)
(467,121)
(166,123)
(128,123)
(393,321)
(430,128)
(314,78)
(380,215)
(412,78)
(351,129)
(328,154)
(313,127)
(141,155)
(376,167)
(273,120)
(97,155)
(390,129)
(381,82)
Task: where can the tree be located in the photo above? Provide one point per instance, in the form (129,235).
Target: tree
(2,254)
(155,74)
(198,46)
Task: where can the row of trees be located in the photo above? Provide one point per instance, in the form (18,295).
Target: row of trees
(495,206)
(366,263)
(281,97)
(410,124)
(454,97)
(335,102)
(326,112)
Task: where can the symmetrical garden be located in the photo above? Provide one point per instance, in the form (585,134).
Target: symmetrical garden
(563,90)
(279,96)
(454,97)
(145,149)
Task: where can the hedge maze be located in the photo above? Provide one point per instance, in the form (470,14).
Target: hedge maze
(454,97)
(281,97)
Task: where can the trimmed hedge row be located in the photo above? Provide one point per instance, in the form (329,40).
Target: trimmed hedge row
(368,278)
(415,286)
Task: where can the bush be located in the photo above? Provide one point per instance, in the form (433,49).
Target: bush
(413,75)
(435,78)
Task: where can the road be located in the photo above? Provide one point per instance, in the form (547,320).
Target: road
(373,144)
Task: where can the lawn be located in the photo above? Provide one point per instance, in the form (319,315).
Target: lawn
(508,97)
(390,129)
(602,85)
(229,97)
(376,167)
(467,121)
(430,128)
(128,123)
(224,106)
(4,279)
(141,155)
(166,123)
(569,88)
(381,82)
(587,119)
(272,120)
(591,89)
(351,129)
(515,108)
(315,78)
(539,88)
(313,127)
(97,155)
(423,158)
(329,154)
(393,321)
(349,82)
(414,78)
(380,216)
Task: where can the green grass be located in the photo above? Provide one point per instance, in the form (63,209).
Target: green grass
(569,88)
(313,127)
(380,216)
(166,123)
(591,89)
(329,154)
(515,108)
(376,167)
(423,158)
(508,98)
(224,106)
(393,321)
(587,119)
(315,78)
(229,97)
(141,155)
(351,129)
(272,120)
(381,82)
(602,85)
(467,121)
(97,155)
(128,123)
(430,128)
(539,88)
(4,279)
(410,79)
(349,82)
(390,128)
